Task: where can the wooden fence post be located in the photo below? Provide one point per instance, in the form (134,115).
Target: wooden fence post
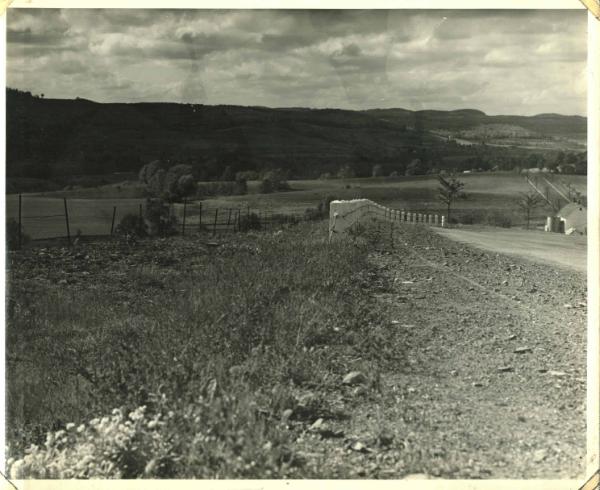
(141,217)
(67,221)
(184,214)
(20,224)
(215,222)
(112,223)
(200,218)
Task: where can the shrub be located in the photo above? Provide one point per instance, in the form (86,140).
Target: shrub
(12,235)
(171,183)
(179,182)
(159,221)
(249,222)
(273,181)
(131,225)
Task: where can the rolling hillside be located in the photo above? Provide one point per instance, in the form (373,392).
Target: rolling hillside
(50,138)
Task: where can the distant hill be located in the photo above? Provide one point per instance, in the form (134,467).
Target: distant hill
(458,120)
(50,138)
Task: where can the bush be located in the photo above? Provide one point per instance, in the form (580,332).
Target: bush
(249,222)
(273,181)
(159,221)
(131,225)
(12,235)
(179,182)
(172,183)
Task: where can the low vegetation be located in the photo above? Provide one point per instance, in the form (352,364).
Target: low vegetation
(205,356)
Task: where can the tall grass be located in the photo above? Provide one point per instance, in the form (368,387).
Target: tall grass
(216,343)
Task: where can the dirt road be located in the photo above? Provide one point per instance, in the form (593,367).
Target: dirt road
(490,376)
(553,248)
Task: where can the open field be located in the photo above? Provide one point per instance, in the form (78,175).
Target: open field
(471,365)
(488,195)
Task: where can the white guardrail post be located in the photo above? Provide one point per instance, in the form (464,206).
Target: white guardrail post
(345,214)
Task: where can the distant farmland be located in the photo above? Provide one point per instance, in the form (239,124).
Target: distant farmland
(90,209)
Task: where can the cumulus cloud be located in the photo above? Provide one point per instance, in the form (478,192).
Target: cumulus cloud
(499,61)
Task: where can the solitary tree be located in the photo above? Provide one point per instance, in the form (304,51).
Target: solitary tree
(527,203)
(450,188)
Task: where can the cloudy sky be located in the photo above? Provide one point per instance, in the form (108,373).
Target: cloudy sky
(502,62)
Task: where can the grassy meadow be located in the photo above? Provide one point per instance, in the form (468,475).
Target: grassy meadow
(223,346)
(490,199)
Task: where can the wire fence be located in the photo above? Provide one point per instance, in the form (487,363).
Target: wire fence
(39,217)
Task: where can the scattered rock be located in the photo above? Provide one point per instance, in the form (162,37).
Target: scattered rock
(557,374)
(359,447)
(324,429)
(354,378)
(522,350)
(477,384)
(511,337)
(568,305)
(505,369)
(539,455)
(360,391)
(286,414)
